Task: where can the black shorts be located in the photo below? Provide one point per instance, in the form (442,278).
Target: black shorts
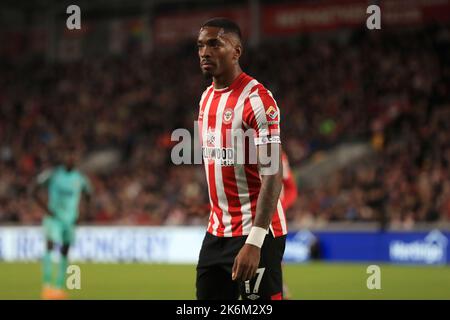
(216,261)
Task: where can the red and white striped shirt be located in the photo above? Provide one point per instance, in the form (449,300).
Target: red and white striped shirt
(234,187)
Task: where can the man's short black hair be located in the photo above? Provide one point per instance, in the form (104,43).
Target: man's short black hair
(226,24)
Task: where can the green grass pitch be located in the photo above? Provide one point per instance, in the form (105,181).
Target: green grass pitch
(161,281)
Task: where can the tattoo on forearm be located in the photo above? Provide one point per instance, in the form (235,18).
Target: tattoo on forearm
(268,200)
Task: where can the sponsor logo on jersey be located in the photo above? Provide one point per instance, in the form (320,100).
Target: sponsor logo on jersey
(223,156)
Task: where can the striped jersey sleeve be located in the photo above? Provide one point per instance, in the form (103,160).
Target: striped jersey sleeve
(261,113)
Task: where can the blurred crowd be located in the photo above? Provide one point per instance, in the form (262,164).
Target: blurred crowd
(407,182)
(388,88)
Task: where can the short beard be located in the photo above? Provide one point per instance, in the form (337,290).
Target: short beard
(207,75)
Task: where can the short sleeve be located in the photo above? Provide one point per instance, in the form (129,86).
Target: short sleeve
(261,113)
(44,177)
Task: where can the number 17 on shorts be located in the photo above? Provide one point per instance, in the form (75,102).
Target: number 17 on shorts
(253,294)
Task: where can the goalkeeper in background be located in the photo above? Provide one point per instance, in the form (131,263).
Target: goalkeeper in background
(65,185)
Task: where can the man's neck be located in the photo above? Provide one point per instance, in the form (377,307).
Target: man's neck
(225,80)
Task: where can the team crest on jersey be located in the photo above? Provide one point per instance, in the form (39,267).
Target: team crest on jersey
(228,115)
(272,112)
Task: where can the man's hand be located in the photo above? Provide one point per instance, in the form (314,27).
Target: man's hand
(246,263)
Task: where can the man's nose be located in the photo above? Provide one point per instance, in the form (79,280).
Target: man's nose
(205,52)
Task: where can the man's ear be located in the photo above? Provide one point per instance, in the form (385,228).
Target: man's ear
(237,52)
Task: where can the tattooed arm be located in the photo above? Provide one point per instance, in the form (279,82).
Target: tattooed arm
(269,162)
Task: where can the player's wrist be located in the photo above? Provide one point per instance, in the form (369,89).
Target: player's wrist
(256,236)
